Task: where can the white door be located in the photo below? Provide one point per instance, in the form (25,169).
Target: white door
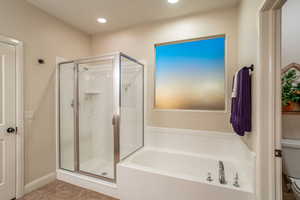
(7,121)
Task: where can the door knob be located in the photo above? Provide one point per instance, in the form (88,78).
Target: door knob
(11,130)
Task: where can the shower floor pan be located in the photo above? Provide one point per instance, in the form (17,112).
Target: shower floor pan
(98,167)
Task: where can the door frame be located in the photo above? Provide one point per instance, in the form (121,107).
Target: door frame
(269,167)
(19,113)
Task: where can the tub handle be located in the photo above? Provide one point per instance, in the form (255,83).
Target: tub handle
(236,180)
(209,178)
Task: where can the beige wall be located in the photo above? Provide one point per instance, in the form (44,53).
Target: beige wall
(248,32)
(290,54)
(43,37)
(139,41)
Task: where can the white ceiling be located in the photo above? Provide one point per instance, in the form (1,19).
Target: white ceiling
(83,14)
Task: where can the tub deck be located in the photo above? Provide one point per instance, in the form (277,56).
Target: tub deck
(163,174)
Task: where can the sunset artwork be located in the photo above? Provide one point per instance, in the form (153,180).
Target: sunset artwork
(190,75)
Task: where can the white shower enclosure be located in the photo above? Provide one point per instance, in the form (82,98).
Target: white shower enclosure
(101,113)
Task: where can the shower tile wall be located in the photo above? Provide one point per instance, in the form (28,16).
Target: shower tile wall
(95,119)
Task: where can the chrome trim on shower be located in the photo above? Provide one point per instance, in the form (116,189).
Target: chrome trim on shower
(59,114)
(116,62)
(58,121)
(143,101)
(116,111)
(76,118)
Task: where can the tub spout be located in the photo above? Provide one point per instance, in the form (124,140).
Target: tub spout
(221,173)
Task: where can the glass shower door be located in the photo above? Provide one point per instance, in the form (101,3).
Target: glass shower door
(95,113)
(132,106)
(101,113)
(66,116)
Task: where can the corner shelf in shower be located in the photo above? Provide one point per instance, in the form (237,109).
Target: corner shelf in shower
(92,92)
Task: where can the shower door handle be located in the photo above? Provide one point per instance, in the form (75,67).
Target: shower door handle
(114,120)
(72,103)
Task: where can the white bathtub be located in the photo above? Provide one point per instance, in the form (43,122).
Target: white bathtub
(174,164)
(159,174)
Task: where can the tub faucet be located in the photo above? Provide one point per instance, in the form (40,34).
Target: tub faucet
(221,173)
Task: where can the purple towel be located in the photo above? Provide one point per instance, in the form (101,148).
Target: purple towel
(241,104)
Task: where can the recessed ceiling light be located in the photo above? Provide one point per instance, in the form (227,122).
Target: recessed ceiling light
(173,1)
(102,20)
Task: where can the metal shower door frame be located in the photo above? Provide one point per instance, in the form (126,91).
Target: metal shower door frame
(116,112)
(143,101)
(116,58)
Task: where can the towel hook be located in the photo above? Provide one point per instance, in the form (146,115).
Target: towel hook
(251,67)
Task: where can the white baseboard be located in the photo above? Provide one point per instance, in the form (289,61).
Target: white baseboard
(90,183)
(40,182)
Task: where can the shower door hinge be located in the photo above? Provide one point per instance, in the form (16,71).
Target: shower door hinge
(278,153)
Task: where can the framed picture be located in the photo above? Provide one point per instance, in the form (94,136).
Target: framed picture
(290,82)
(190,74)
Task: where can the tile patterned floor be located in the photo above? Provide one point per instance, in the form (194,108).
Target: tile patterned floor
(59,190)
